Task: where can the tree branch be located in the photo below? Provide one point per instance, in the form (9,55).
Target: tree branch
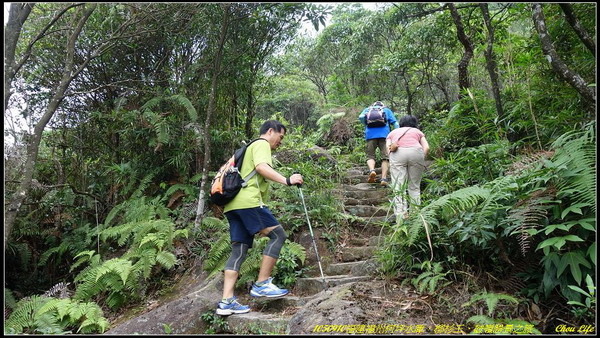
(578,28)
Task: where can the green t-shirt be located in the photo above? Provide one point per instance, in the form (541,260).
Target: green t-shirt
(255,194)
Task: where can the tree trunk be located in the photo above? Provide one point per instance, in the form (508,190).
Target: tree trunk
(558,65)
(463,65)
(249,113)
(17,16)
(68,75)
(491,66)
(209,113)
(581,32)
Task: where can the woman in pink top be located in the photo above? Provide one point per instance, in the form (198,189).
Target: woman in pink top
(407,150)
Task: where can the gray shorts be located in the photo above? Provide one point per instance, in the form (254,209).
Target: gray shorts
(373,144)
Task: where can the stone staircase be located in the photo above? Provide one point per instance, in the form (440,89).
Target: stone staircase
(353,262)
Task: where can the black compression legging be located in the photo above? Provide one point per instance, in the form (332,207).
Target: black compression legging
(238,255)
(277,237)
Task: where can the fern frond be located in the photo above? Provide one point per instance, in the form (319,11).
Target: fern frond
(481,320)
(9,299)
(122,232)
(162,230)
(187,104)
(119,266)
(61,306)
(59,250)
(213,224)
(491,300)
(530,214)
(113,213)
(445,207)
(295,249)
(47,323)
(528,162)
(23,318)
(575,157)
(218,254)
(166,259)
(144,183)
(115,300)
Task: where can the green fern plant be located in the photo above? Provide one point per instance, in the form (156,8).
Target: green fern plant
(529,215)
(149,242)
(47,315)
(9,299)
(491,300)
(575,159)
(445,207)
(432,279)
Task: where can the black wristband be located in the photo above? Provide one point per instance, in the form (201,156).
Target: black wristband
(287,181)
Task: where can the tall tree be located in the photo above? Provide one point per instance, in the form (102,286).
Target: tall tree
(18,13)
(69,71)
(216,70)
(63,66)
(558,65)
(490,59)
(463,64)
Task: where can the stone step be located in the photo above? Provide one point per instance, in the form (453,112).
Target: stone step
(366,210)
(370,241)
(355,172)
(277,304)
(342,268)
(358,253)
(376,241)
(255,322)
(314,285)
(363,187)
(364,191)
(364,201)
(361,178)
(358,268)
(364,170)
(378,220)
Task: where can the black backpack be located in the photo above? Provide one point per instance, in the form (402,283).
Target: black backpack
(228,182)
(376,117)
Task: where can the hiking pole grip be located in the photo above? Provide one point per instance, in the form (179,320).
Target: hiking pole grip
(299,185)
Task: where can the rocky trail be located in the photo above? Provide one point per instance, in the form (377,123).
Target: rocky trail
(349,298)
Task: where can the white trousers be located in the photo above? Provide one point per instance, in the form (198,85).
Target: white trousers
(406,168)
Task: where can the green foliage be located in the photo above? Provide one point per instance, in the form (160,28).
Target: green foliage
(216,323)
(48,315)
(587,310)
(9,299)
(290,264)
(547,206)
(491,300)
(148,243)
(468,166)
(432,279)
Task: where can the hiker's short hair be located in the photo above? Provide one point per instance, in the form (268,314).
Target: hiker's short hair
(408,121)
(276,125)
(378,104)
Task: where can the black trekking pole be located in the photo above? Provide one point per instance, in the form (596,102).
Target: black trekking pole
(311,232)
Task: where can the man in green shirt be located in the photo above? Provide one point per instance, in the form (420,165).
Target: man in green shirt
(248,215)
